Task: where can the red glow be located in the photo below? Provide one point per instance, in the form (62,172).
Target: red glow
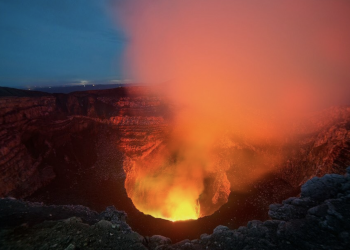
(247,69)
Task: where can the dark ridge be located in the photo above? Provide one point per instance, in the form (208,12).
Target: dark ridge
(318,219)
(114,90)
(78,88)
(5,91)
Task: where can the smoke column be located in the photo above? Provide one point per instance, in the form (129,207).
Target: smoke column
(247,68)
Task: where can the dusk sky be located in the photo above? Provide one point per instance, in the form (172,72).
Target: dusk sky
(262,46)
(58,42)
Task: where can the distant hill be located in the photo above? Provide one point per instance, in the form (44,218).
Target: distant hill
(75,88)
(5,91)
(105,90)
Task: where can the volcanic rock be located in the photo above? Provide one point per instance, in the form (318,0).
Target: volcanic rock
(307,222)
(47,137)
(324,225)
(321,146)
(35,126)
(42,133)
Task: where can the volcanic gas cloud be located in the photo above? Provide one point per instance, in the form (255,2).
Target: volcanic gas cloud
(237,71)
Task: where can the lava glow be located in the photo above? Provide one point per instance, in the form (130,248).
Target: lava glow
(240,73)
(157,188)
(169,183)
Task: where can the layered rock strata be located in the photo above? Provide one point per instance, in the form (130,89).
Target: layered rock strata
(35,132)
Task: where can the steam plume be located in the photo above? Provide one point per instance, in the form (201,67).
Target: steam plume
(248,67)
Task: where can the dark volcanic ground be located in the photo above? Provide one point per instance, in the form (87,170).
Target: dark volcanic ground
(318,219)
(85,189)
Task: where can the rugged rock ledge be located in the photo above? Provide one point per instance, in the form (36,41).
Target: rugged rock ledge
(318,219)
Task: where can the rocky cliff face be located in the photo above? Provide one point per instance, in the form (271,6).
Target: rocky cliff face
(21,169)
(35,130)
(322,146)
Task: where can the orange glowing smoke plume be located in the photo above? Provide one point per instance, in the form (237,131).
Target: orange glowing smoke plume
(235,69)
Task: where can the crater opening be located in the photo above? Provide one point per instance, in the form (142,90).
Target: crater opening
(130,166)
